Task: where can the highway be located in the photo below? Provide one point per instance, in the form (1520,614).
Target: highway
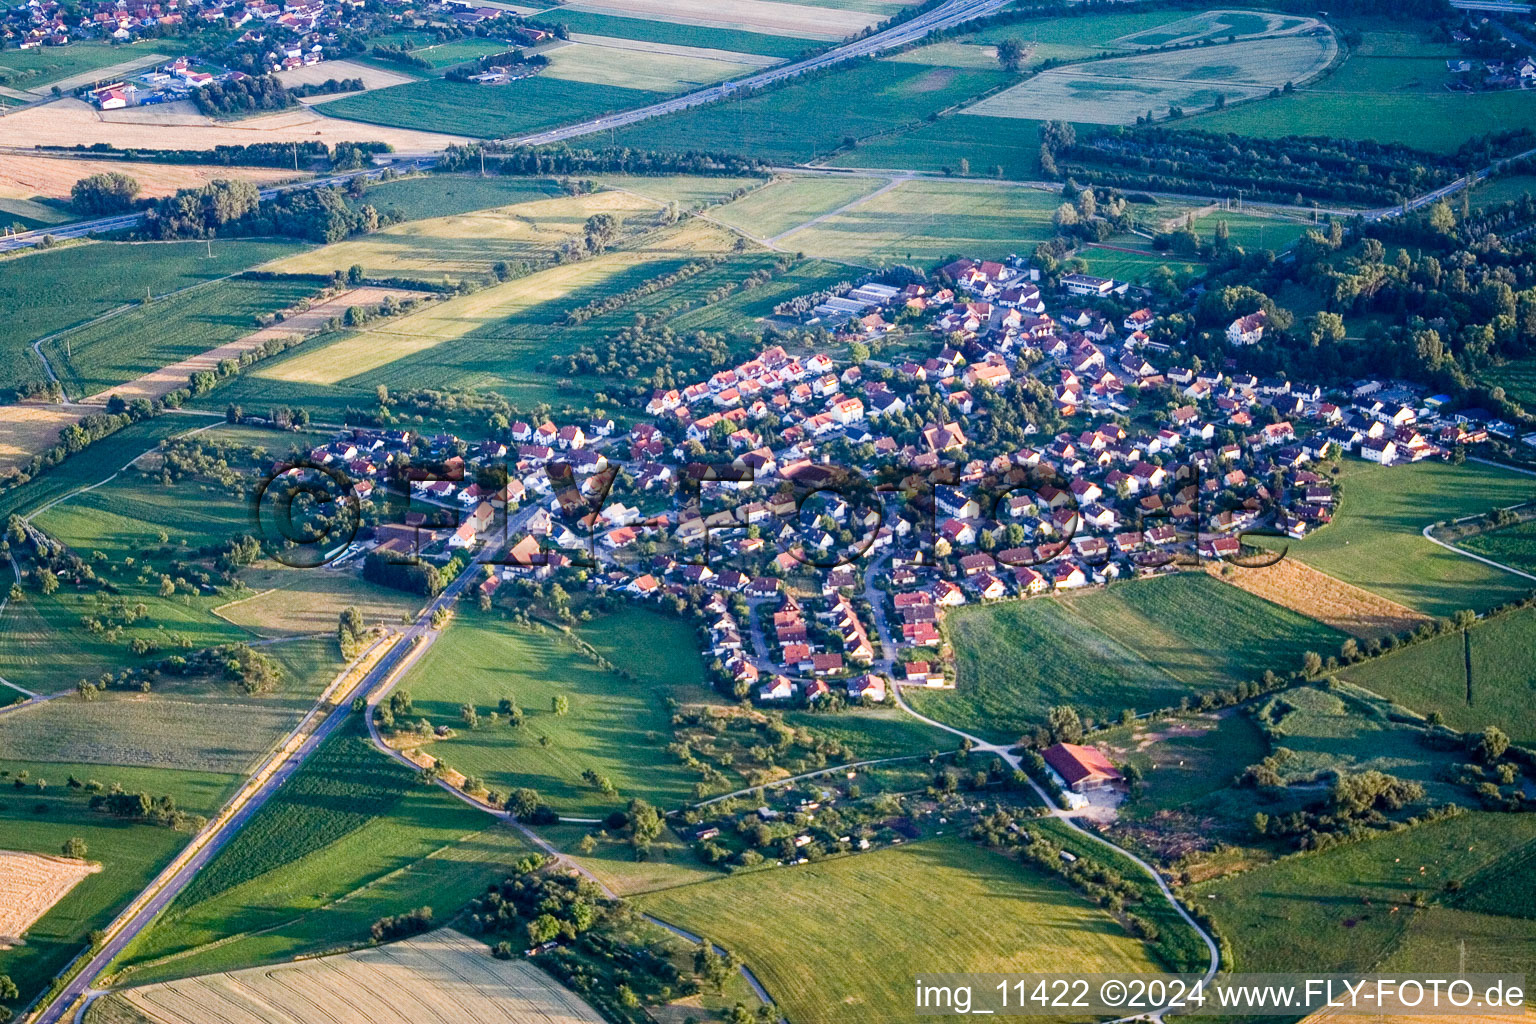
(179,874)
(946,15)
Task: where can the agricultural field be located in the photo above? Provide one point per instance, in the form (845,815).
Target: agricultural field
(141,340)
(1216,26)
(1496,191)
(641,69)
(1400,80)
(437,978)
(796,123)
(94,464)
(1118,90)
(289,602)
(671,33)
(36,70)
(45,292)
(480,111)
(1433,676)
(128,855)
(318,74)
(986,143)
(1351,908)
(891,915)
(788,203)
(31,883)
(1514,546)
(429,196)
(1293,584)
(799,20)
(350,838)
(1375,540)
(617,727)
(928,221)
(50,178)
(1142,644)
(71,122)
(1517,378)
(451,247)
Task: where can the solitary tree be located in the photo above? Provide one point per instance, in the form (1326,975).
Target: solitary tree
(75,847)
(1010,54)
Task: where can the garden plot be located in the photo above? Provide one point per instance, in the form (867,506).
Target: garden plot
(781,19)
(438,978)
(30,884)
(1118,90)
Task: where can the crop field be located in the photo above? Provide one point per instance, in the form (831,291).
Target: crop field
(747,307)
(487,111)
(790,202)
(1213,26)
(796,123)
(1295,585)
(349,838)
(1012,143)
(438,978)
(639,69)
(500,334)
(43,292)
(1375,539)
(617,727)
(317,74)
(1142,644)
(30,428)
(1502,189)
(40,177)
(1405,93)
(117,350)
(1514,546)
(692,192)
(799,20)
(129,855)
(214,735)
(1118,90)
(449,247)
(1432,676)
(70,122)
(35,69)
(927,221)
(1350,908)
(30,883)
(297,601)
(428,196)
(891,915)
(671,33)
(1517,378)
(1112,260)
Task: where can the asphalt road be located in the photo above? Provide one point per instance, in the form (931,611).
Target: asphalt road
(404,649)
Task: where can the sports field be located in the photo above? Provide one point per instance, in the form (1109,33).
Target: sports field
(449,247)
(487,111)
(1118,90)
(1351,908)
(439,978)
(891,915)
(926,221)
(44,292)
(1142,645)
(1486,678)
(143,339)
(618,727)
(1375,539)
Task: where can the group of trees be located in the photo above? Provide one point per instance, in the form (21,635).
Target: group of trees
(236,208)
(242,95)
(105,193)
(298,155)
(619,160)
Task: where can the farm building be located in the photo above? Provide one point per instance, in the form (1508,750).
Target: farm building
(1081,768)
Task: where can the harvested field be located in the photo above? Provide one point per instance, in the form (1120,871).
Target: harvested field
(69,122)
(30,883)
(440,978)
(780,19)
(318,74)
(41,177)
(311,321)
(1118,90)
(27,429)
(1301,588)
